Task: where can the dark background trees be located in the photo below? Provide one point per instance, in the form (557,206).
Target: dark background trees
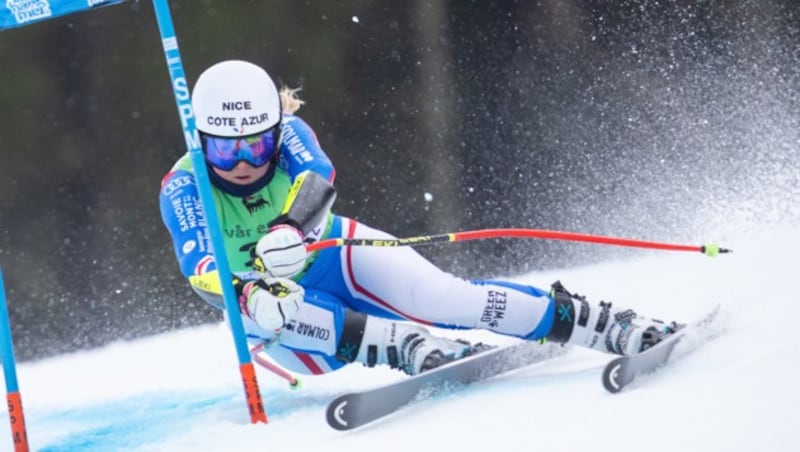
(666,120)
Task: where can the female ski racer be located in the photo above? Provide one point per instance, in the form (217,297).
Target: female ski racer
(314,313)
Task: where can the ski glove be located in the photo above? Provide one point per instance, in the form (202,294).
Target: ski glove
(271,302)
(281,253)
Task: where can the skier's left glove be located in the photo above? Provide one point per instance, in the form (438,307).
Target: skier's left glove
(271,302)
(280,252)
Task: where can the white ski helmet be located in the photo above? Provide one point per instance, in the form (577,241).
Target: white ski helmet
(235,98)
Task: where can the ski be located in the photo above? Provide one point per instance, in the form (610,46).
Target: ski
(623,371)
(356,409)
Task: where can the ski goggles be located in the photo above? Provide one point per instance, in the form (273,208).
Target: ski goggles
(226,153)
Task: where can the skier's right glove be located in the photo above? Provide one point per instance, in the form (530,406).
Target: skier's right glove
(271,302)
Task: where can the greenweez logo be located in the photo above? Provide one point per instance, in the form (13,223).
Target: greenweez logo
(495,310)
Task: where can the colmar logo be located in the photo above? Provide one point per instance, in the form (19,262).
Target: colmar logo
(314,331)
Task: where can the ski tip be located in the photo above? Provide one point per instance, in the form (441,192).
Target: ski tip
(337,414)
(611,375)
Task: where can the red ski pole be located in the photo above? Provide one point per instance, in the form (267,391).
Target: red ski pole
(711,250)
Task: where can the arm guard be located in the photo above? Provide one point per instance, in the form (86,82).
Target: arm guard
(310,199)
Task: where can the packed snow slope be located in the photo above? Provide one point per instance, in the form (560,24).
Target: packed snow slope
(181,391)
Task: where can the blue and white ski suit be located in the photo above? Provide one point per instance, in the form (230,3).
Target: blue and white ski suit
(389,282)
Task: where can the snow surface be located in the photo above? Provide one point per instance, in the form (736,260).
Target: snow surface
(181,391)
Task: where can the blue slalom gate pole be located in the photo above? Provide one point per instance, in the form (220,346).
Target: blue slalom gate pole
(16,416)
(182,97)
(21,13)
(15,14)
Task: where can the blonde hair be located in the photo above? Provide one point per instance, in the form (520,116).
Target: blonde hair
(290,101)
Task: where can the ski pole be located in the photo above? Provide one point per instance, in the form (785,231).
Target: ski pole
(711,250)
(294,382)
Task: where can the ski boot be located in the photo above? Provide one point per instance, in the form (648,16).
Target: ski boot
(604,328)
(401,345)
